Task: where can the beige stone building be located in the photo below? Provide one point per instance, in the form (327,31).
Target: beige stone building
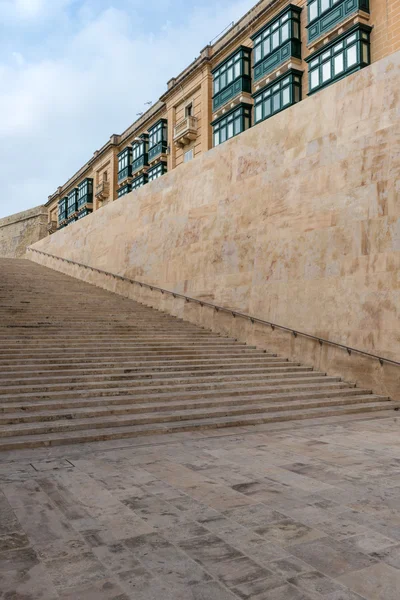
(273,57)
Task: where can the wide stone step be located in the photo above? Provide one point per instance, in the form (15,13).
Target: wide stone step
(233,406)
(160,386)
(53,404)
(117,374)
(215,390)
(189,414)
(66,438)
(143,379)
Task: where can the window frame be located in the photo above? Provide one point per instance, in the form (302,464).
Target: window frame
(359,39)
(140,156)
(158,138)
(72,203)
(159,169)
(290,15)
(62,209)
(241,56)
(242,113)
(85,192)
(124,164)
(332,4)
(290,81)
(139,182)
(125,189)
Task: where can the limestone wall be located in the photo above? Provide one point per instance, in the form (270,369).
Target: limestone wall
(21,230)
(296,221)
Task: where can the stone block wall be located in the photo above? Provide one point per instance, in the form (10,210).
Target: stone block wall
(21,230)
(296,221)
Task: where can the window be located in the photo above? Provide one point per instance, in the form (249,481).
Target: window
(232,124)
(348,53)
(83,213)
(124,190)
(139,181)
(278,32)
(189,110)
(158,138)
(124,164)
(189,155)
(62,209)
(156,171)
(316,8)
(140,152)
(233,68)
(72,202)
(275,97)
(85,192)
(324,15)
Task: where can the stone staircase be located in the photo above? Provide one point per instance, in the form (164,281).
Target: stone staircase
(80,364)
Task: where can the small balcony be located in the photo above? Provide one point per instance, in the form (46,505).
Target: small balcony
(185,131)
(103,190)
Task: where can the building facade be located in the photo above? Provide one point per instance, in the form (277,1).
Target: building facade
(272,58)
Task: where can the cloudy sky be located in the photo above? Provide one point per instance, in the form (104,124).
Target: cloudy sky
(73,72)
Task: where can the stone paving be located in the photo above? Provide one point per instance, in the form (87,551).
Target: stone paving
(292,512)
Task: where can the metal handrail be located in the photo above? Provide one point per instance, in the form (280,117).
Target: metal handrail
(233,313)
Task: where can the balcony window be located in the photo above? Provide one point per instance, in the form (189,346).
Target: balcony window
(140,157)
(232,77)
(277,96)
(348,53)
(157,171)
(62,209)
(124,164)
(158,139)
(72,204)
(278,41)
(83,213)
(124,190)
(139,181)
(231,124)
(85,192)
(324,15)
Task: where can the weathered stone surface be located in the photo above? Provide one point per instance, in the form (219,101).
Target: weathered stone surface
(295,221)
(21,230)
(194,551)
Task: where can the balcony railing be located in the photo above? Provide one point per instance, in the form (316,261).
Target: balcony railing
(103,190)
(185,131)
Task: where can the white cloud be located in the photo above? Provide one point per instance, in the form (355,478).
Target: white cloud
(57,109)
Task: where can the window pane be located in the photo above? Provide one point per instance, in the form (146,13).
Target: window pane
(246,67)
(238,125)
(277,102)
(275,39)
(326,71)
(364,50)
(230,130)
(313,10)
(338,64)
(267,46)
(216,138)
(258,112)
(351,56)
(286,96)
(237,70)
(285,32)
(230,75)
(267,107)
(257,53)
(246,123)
(314,78)
(324,5)
(296,93)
